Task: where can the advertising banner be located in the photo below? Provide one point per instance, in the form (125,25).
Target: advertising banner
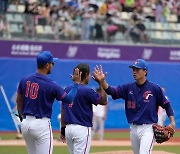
(24,49)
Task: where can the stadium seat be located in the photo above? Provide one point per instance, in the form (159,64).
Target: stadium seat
(12,8)
(39,29)
(20,8)
(172,18)
(151,34)
(159,26)
(147,25)
(152,25)
(178,26)
(119,36)
(14,28)
(147,10)
(158,35)
(177,35)
(9,17)
(18,18)
(167,35)
(172,26)
(166,26)
(48,30)
(125,16)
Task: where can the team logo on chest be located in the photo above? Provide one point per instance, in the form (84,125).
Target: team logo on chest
(70,105)
(147,95)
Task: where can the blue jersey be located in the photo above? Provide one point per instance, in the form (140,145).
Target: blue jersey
(39,93)
(80,111)
(141,102)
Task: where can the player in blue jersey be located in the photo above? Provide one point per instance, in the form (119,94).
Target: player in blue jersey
(35,96)
(77,117)
(142,99)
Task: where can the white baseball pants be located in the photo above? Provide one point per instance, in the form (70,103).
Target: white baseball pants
(78,138)
(38,135)
(142,138)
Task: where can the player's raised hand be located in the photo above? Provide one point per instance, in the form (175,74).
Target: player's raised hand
(76,77)
(98,74)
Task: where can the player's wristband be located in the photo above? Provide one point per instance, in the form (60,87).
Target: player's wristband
(63,131)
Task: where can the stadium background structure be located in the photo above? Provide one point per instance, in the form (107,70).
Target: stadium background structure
(166,73)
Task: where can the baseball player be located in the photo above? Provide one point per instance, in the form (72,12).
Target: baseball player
(162,112)
(142,99)
(99,116)
(35,97)
(76,118)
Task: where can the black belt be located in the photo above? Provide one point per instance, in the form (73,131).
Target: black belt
(24,116)
(133,123)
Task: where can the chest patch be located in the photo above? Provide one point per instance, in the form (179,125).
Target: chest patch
(147,95)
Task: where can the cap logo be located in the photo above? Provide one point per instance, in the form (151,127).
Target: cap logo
(136,62)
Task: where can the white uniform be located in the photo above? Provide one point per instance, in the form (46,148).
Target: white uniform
(161,116)
(139,135)
(38,135)
(78,138)
(99,115)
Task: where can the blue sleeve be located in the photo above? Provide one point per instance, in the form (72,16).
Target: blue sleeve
(111,91)
(92,96)
(71,95)
(161,98)
(169,109)
(116,92)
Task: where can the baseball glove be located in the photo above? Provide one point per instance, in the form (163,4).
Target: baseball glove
(162,134)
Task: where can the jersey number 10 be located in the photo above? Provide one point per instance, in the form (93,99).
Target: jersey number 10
(31,90)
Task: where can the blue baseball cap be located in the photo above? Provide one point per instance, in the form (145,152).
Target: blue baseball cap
(140,63)
(45,57)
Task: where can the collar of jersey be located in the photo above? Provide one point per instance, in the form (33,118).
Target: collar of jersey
(142,84)
(40,75)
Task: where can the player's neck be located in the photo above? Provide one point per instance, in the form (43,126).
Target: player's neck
(141,81)
(42,71)
(83,82)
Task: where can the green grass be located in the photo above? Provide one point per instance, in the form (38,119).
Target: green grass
(173,149)
(22,150)
(108,135)
(63,149)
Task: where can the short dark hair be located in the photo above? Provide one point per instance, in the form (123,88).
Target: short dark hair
(84,68)
(40,66)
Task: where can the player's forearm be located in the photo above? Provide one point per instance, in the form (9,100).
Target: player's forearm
(103,94)
(63,125)
(19,102)
(62,118)
(104,84)
(71,95)
(172,121)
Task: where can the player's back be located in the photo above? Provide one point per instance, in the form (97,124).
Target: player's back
(80,111)
(38,93)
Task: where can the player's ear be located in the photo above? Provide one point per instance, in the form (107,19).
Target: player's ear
(47,65)
(145,72)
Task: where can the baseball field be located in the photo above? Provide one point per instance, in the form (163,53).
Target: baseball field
(115,142)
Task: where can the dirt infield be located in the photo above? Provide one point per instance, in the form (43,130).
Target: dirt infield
(95,143)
